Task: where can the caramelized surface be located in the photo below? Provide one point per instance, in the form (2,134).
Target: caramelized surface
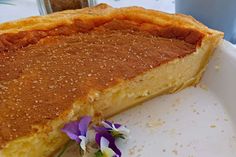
(41,81)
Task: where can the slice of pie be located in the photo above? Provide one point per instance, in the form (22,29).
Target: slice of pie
(94,61)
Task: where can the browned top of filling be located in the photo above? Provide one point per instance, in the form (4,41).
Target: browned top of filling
(41,81)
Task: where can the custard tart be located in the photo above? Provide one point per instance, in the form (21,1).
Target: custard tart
(95,61)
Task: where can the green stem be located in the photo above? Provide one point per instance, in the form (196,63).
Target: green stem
(80,150)
(64,148)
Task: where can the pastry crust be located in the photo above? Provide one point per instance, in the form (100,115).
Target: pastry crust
(104,12)
(108,101)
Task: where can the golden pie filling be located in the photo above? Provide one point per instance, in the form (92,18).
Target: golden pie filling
(40,81)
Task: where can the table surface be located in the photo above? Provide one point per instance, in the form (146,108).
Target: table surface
(25,8)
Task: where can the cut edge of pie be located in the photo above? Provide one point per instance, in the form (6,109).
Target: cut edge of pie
(166,78)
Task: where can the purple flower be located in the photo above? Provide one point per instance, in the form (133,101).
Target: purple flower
(107,145)
(117,130)
(77,131)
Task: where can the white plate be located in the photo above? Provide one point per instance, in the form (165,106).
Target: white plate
(196,122)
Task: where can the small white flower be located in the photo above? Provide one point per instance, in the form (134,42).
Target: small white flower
(120,129)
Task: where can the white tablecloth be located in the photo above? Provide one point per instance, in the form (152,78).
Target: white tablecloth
(26,8)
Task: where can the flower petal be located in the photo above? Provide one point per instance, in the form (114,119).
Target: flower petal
(107,124)
(83,124)
(111,125)
(104,147)
(123,130)
(114,128)
(104,143)
(72,130)
(83,142)
(111,140)
(117,125)
(100,129)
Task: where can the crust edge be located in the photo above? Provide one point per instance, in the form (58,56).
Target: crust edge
(104,12)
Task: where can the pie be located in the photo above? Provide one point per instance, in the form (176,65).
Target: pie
(95,61)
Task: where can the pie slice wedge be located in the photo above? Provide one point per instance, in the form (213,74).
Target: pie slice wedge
(95,61)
